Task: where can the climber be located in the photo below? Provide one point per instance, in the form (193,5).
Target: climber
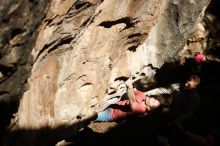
(119,88)
(183,109)
(136,104)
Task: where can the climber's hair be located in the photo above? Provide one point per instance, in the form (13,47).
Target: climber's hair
(194,78)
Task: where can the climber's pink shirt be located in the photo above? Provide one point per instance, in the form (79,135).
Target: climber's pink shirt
(125,109)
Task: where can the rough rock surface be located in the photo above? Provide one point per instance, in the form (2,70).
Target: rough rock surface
(84,45)
(205,38)
(19,22)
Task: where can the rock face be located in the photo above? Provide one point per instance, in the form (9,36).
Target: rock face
(19,21)
(84,45)
(205,38)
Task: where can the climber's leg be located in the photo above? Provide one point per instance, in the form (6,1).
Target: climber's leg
(104,116)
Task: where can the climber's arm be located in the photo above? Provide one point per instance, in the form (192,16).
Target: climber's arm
(131,95)
(163,90)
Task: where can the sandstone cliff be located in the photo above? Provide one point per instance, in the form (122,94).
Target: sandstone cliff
(84,45)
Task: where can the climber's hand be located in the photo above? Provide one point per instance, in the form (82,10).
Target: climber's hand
(128,83)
